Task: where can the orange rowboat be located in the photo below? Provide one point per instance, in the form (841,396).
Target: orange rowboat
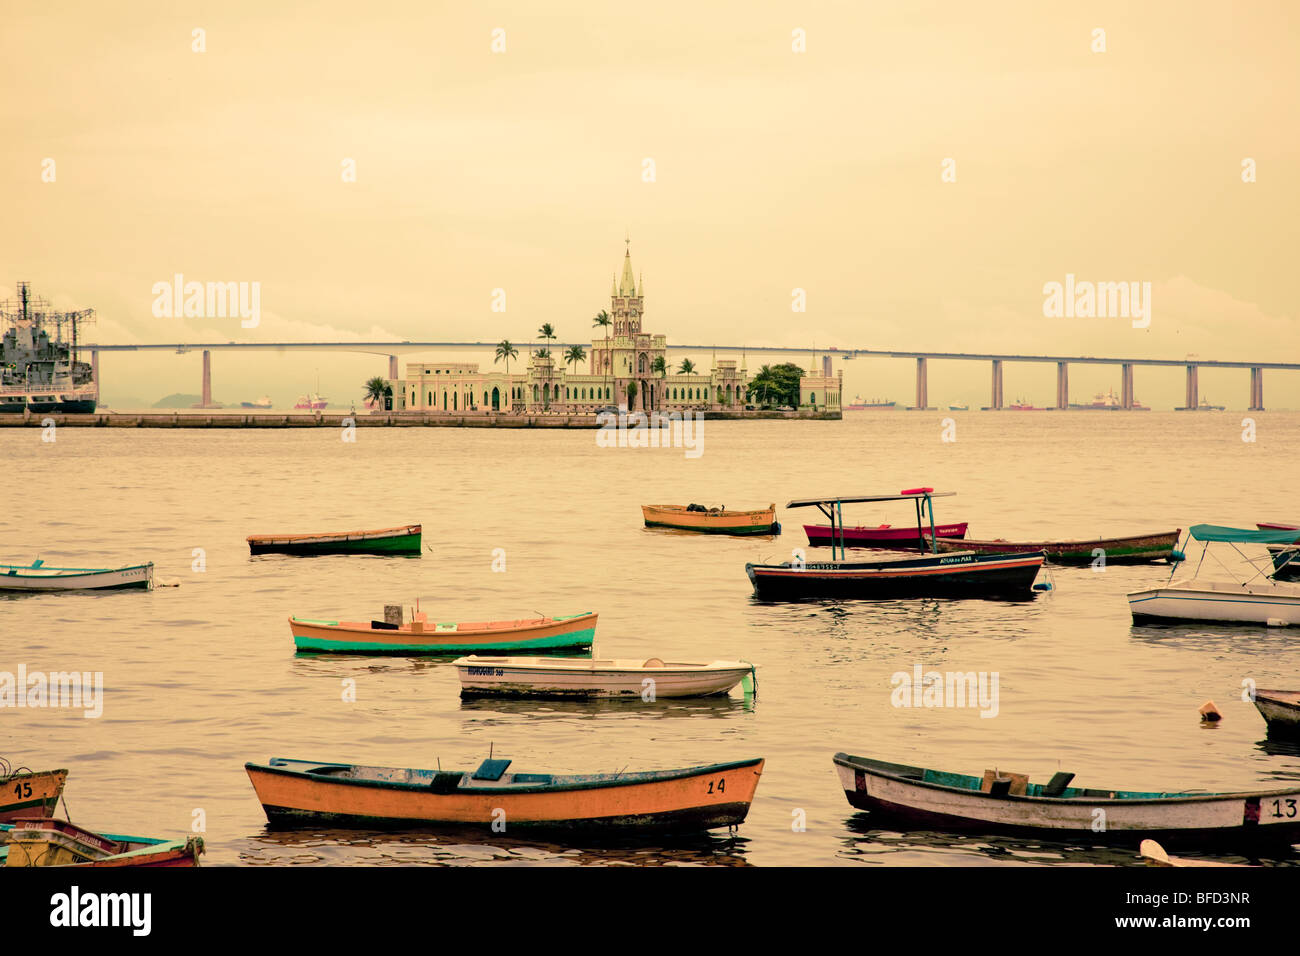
(574,632)
(303,793)
(714,521)
(31,794)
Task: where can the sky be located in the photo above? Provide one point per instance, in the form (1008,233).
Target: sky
(921,171)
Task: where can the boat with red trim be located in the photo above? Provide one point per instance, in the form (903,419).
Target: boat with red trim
(960,574)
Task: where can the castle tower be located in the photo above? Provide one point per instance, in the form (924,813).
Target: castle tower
(626,305)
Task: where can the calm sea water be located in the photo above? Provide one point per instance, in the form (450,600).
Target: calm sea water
(203,677)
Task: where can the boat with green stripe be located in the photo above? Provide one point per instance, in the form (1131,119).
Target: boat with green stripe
(404,539)
(573,632)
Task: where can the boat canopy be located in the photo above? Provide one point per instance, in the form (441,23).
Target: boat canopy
(1214,532)
(852,499)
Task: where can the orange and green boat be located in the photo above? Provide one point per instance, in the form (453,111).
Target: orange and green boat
(704,520)
(31,794)
(561,633)
(307,793)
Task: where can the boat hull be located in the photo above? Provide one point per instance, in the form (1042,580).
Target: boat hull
(31,794)
(698,798)
(1279,605)
(1135,549)
(819,535)
(1281,710)
(762,521)
(404,540)
(1172,818)
(558,679)
(542,634)
(956,575)
(13,578)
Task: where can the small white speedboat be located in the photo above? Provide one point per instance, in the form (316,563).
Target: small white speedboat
(648,680)
(1259,599)
(37,577)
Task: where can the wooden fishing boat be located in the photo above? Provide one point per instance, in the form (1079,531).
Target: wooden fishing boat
(51,842)
(962,574)
(400,540)
(571,632)
(306,793)
(884,537)
(1281,710)
(711,520)
(1259,599)
(37,577)
(1002,802)
(652,679)
(1155,855)
(1133,549)
(28,794)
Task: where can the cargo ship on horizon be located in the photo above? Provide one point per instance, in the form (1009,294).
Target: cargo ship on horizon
(40,372)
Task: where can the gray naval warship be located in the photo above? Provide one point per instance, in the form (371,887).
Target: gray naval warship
(40,369)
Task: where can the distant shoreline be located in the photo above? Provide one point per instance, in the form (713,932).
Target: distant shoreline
(227,418)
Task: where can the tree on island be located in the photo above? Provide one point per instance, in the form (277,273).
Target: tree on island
(574,354)
(631,395)
(505,350)
(659,367)
(547,331)
(377,389)
(776,385)
(603,321)
(687,367)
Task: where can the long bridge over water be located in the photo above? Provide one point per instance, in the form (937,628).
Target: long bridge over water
(922,360)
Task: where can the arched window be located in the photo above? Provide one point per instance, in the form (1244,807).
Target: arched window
(454,397)
(706,394)
(430,399)
(640,364)
(444,401)
(536,394)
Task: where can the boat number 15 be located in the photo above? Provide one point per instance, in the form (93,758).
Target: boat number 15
(1284,808)
(22,789)
(721,785)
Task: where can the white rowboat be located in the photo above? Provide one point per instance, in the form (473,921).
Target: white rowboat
(1265,602)
(1003,802)
(647,680)
(37,577)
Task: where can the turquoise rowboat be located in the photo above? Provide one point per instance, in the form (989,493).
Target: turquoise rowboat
(571,632)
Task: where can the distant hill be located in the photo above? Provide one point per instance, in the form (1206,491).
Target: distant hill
(181,400)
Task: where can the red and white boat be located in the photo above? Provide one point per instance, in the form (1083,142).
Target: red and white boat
(885,536)
(313,402)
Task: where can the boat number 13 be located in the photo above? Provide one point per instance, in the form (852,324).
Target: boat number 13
(721,785)
(1290,807)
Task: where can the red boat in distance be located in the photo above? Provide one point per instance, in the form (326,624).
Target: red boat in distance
(885,537)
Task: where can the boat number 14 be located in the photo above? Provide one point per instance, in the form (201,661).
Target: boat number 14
(721,785)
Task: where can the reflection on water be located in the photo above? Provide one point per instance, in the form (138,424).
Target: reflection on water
(460,846)
(874,841)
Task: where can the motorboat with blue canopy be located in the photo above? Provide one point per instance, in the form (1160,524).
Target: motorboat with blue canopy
(1258,595)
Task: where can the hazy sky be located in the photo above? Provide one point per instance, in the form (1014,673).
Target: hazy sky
(774,170)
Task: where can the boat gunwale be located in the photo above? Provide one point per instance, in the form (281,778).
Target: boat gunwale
(561,665)
(605,781)
(67,572)
(725,513)
(865,764)
(1071,545)
(378,534)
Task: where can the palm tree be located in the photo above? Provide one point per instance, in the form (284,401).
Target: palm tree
(659,367)
(547,331)
(603,321)
(631,395)
(506,351)
(377,390)
(687,367)
(574,354)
